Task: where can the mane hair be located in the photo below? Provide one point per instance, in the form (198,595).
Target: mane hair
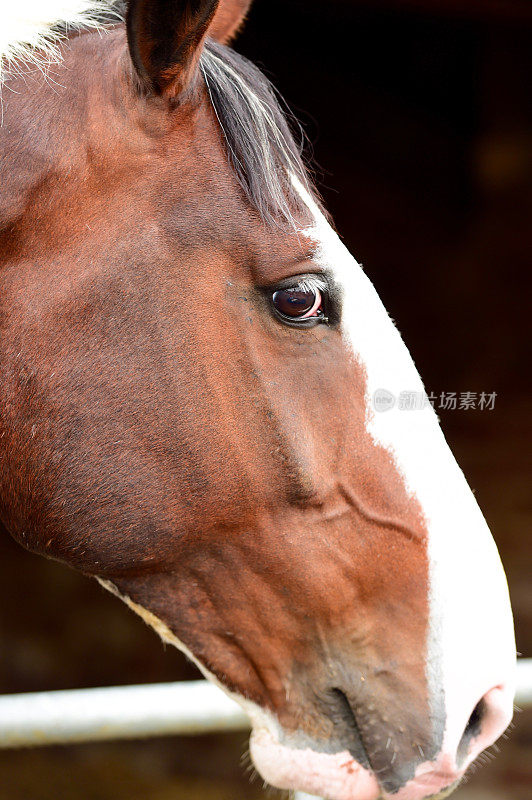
(260,146)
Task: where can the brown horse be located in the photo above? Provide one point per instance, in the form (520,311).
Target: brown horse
(188,359)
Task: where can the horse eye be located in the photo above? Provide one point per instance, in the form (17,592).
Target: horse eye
(297,303)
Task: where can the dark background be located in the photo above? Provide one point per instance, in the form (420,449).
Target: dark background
(421,124)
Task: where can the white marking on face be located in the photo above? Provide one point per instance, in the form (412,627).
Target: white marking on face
(471,647)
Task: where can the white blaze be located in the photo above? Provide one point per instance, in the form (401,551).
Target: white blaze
(471,646)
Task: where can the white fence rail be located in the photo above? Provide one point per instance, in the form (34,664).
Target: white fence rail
(129,712)
(117,712)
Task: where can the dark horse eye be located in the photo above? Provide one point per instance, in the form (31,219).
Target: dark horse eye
(296,302)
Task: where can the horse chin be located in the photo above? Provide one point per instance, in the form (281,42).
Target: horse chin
(336,776)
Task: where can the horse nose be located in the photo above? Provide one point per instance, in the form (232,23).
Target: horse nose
(405,768)
(489,719)
(386,739)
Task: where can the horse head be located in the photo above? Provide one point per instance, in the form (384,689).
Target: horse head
(189,364)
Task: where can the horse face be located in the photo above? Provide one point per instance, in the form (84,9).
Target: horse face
(430,533)
(216,461)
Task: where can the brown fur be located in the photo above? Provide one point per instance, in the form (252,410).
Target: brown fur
(229,18)
(162,430)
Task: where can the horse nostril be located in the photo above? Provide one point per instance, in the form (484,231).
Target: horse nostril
(347,727)
(489,719)
(472,729)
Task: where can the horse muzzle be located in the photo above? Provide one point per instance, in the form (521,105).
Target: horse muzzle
(379,771)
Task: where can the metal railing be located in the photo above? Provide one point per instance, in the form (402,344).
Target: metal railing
(117,712)
(129,712)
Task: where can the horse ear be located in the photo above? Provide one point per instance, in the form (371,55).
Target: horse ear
(228,19)
(165,38)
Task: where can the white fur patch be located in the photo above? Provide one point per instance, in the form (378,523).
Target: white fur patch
(471,647)
(28,29)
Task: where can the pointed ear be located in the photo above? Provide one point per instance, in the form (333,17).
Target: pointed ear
(228,20)
(165,38)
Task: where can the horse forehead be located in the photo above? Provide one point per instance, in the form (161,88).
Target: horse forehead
(68,116)
(83,136)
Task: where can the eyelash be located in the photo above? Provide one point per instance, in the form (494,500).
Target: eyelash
(292,308)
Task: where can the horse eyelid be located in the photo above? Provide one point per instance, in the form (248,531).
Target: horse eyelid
(311,282)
